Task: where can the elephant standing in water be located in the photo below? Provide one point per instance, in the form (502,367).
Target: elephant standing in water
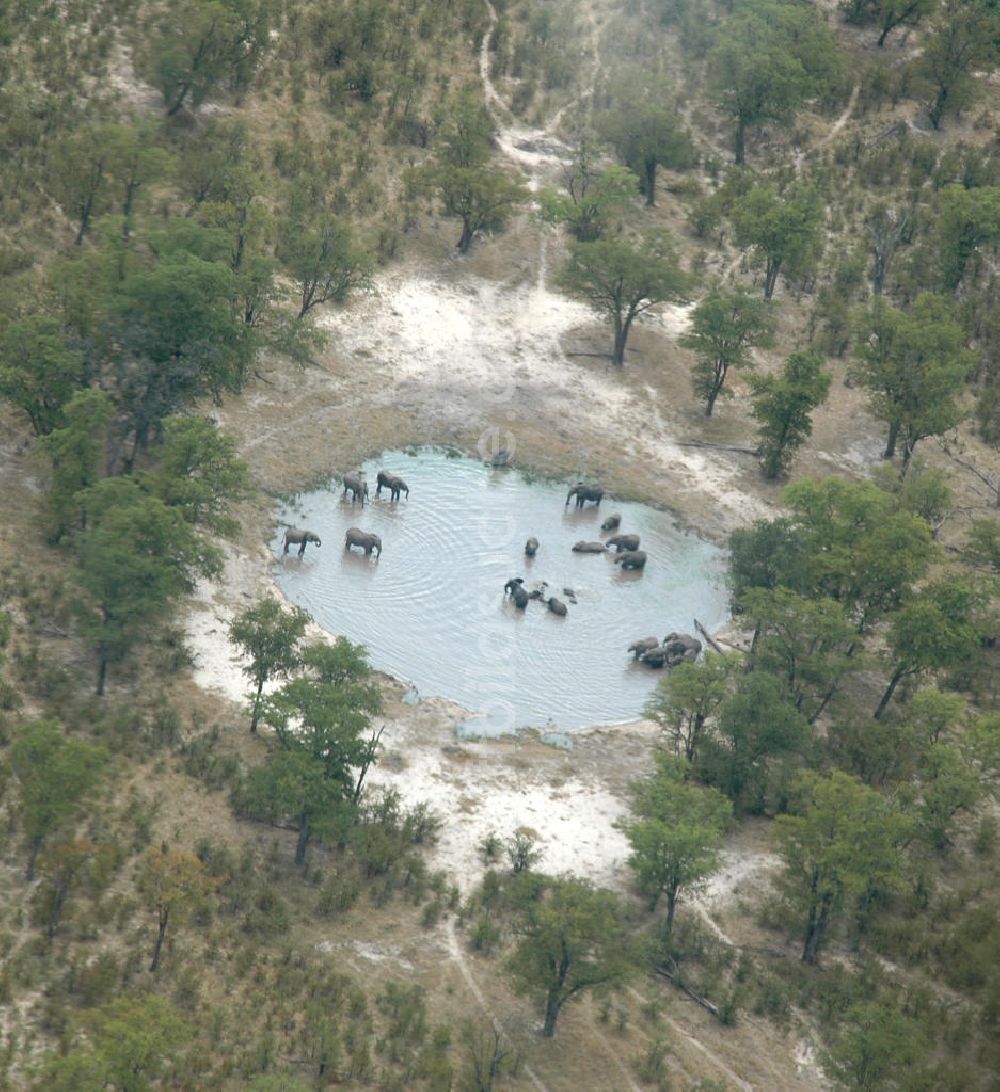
(393,483)
(297,535)
(644,644)
(584,493)
(623,542)
(356,487)
(515,589)
(363,540)
(531,547)
(631,559)
(613,522)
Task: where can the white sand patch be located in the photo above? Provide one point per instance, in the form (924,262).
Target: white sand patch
(573,820)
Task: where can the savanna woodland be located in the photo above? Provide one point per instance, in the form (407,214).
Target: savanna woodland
(735,258)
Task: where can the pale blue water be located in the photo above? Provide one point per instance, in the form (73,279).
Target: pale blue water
(432,611)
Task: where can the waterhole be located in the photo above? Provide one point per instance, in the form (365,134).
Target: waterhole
(432,612)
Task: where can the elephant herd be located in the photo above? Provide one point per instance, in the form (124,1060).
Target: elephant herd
(354,536)
(677,648)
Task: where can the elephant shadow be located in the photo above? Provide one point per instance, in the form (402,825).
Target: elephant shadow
(574,517)
(626,576)
(358,561)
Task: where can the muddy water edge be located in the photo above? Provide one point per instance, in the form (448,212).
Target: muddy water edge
(432,609)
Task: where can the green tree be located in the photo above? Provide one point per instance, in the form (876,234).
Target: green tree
(676,833)
(172,883)
(134,162)
(840,839)
(77,454)
(294,785)
(331,720)
(268,636)
(758,729)
(57,776)
(781,232)
(936,629)
(324,260)
(688,697)
(768,58)
(570,939)
(887,15)
(966,229)
(961,38)
(783,405)
(725,327)
(644,131)
(39,370)
(873,1046)
(128,1045)
(178,336)
(63,864)
(593,200)
(622,283)
(854,544)
(481,197)
(914,368)
(199,473)
(194,46)
(78,174)
(808,642)
(137,556)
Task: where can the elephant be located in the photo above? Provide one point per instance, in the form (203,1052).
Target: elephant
(623,542)
(362,539)
(356,487)
(557,606)
(613,522)
(589,548)
(531,547)
(584,493)
(295,534)
(514,582)
(631,559)
(644,644)
(393,483)
(654,657)
(680,644)
(519,596)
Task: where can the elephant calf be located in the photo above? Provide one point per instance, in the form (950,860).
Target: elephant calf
(531,547)
(623,542)
(557,606)
(363,540)
(295,534)
(613,522)
(589,548)
(631,559)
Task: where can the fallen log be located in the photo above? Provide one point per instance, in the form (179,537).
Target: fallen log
(710,640)
(720,447)
(679,982)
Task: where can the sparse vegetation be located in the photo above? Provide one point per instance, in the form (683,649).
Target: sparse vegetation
(195,197)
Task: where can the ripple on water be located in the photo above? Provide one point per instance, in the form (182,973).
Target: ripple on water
(432,611)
